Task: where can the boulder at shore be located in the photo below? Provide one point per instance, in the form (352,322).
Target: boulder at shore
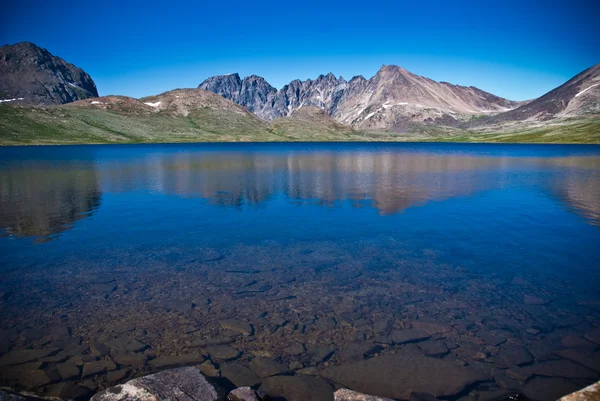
(344,394)
(182,384)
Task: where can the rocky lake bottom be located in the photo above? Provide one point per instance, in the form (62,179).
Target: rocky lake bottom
(126,274)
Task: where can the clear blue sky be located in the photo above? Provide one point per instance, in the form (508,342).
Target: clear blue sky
(516,49)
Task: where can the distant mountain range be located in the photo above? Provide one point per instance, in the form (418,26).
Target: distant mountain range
(395,97)
(393,103)
(390,98)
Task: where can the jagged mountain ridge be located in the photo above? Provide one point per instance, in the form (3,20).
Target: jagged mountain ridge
(32,75)
(391,96)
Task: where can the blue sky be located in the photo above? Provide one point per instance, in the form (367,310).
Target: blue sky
(515,49)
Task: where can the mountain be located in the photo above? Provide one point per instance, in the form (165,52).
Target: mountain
(388,100)
(578,96)
(252,92)
(31,75)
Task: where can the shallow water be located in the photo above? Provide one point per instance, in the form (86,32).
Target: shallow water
(492,250)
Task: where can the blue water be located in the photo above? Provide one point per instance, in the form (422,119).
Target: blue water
(456,220)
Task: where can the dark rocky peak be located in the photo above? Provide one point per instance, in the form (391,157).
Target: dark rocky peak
(255,93)
(227,85)
(30,74)
(257,81)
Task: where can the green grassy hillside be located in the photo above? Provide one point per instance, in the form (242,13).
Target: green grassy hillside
(126,120)
(567,131)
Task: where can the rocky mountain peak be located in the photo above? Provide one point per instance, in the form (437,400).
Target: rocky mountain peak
(227,85)
(389,99)
(30,74)
(393,69)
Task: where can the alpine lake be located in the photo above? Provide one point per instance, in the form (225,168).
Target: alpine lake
(457,271)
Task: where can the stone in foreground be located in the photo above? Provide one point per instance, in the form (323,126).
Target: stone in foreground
(397,375)
(246,394)
(181,384)
(348,395)
(590,393)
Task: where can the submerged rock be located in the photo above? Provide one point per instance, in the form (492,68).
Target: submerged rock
(182,384)
(546,389)
(435,349)
(533,300)
(136,360)
(562,368)
(68,371)
(126,345)
(223,352)
(514,355)
(591,361)
(92,368)
(18,356)
(295,349)
(6,395)
(432,327)
(397,375)
(33,378)
(408,335)
(236,325)
(297,388)
(265,367)
(171,361)
(99,349)
(239,375)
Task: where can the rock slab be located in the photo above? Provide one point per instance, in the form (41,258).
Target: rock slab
(397,375)
(181,384)
(297,388)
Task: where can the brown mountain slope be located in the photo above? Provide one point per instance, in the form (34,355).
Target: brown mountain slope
(116,104)
(578,96)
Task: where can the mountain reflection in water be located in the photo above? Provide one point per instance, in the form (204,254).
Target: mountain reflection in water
(44,198)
